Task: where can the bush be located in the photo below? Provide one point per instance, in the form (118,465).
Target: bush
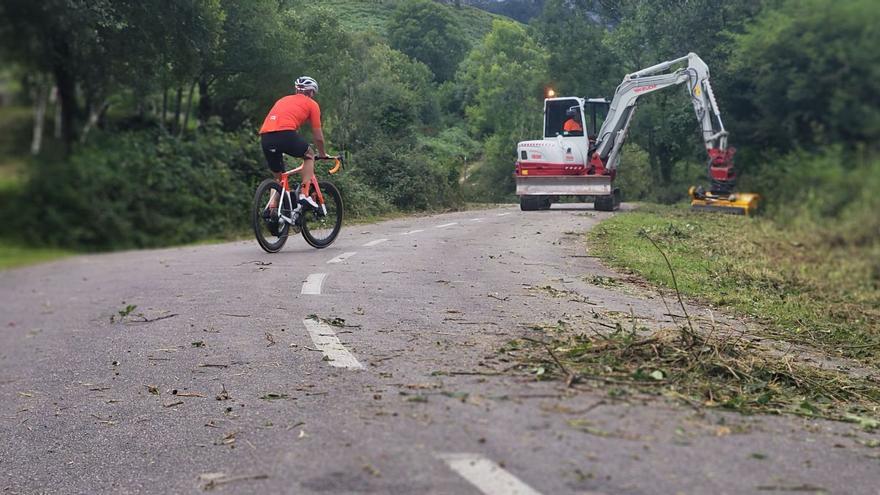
(143,190)
(135,190)
(407,176)
(833,188)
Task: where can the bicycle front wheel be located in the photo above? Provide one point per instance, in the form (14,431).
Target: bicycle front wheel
(270,230)
(320,229)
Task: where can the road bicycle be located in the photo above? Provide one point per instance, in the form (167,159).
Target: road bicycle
(319,226)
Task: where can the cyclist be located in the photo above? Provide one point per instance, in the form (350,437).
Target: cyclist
(279,135)
(573,124)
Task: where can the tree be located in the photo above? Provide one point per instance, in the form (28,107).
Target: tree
(99,47)
(645,32)
(808,74)
(504,78)
(428,32)
(579,63)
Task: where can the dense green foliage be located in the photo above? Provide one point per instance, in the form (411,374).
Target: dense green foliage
(808,74)
(428,98)
(429,33)
(503,80)
(137,190)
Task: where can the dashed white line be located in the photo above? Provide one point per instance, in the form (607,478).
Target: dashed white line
(487,476)
(446,225)
(374,243)
(413,232)
(313,283)
(476,220)
(503,214)
(342,257)
(326,341)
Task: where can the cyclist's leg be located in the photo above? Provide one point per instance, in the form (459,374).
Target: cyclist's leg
(308,172)
(273,151)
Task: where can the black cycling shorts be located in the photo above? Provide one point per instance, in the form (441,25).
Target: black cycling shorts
(275,144)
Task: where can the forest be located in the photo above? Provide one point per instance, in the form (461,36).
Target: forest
(129,124)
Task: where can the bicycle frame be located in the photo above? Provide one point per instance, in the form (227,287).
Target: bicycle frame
(285,187)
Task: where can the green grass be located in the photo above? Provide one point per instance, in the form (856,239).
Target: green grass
(803,283)
(15,255)
(373,15)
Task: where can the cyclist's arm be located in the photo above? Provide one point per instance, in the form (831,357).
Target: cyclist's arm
(318,136)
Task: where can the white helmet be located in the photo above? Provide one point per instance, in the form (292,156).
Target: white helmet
(306,83)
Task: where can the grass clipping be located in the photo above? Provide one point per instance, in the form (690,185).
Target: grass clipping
(703,367)
(709,370)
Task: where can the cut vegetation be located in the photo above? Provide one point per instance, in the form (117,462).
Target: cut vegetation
(808,288)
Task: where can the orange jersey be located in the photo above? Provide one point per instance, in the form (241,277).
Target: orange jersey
(572,125)
(290,112)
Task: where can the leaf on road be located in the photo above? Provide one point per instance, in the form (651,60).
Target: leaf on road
(153,389)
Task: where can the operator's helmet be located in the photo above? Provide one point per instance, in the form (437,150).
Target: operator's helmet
(306,83)
(573,112)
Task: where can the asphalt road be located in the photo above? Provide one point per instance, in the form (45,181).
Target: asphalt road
(202,368)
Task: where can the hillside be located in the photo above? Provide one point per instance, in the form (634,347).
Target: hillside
(373,15)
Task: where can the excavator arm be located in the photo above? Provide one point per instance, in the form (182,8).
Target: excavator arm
(605,152)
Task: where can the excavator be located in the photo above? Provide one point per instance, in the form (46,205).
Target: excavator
(577,159)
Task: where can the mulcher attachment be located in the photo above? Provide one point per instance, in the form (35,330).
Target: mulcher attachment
(734,203)
(722,198)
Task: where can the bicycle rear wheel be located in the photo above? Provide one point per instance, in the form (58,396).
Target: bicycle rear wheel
(271,232)
(318,229)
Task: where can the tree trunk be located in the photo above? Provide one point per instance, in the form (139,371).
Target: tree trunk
(41,98)
(96,112)
(177,106)
(67,98)
(204,100)
(164,107)
(189,104)
(53,99)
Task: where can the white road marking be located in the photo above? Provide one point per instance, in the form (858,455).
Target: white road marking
(487,476)
(312,285)
(326,341)
(375,243)
(446,225)
(503,214)
(413,232)
(342,257)
(476,219)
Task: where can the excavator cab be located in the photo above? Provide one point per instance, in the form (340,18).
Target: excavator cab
(590,112)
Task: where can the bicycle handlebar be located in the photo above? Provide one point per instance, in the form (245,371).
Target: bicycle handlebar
(338,159)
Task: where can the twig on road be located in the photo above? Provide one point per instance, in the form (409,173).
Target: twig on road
(570,377)
(674,281)
(221,479)
(144,319)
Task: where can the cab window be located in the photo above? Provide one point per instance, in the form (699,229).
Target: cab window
(555,117)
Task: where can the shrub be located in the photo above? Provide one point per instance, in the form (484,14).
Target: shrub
(145,190)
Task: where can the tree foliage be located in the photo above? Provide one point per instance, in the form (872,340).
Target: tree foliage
(428,32)
(808,74)
(504,79)
(421,111)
